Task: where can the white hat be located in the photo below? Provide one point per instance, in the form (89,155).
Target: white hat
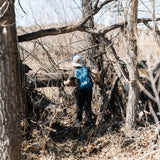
(76,61)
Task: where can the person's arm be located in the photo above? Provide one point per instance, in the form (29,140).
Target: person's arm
(70,79)
(67,82)
(96,73)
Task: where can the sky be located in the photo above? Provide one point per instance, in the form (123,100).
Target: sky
(46,11)
(55,11)
(62,11)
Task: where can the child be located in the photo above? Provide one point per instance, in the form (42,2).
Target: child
(83,92)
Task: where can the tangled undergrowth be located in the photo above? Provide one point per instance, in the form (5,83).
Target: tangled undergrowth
(54,137)
(49,132)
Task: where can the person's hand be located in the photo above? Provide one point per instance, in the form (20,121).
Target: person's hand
(96,73)
(65,83)
(68,82)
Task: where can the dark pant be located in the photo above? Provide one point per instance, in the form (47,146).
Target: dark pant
(83,99)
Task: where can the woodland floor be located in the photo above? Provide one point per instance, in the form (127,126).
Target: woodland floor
(57,138)
(53,136)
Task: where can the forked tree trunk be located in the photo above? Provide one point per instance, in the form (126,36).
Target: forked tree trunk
(10,90)
(132,66)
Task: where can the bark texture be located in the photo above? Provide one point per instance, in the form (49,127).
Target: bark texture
(10,90)
(132,66)
(89,37)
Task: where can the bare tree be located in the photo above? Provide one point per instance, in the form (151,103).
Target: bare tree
(132,65)
(10,88)
(89,37)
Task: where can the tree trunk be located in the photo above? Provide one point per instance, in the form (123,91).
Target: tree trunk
(10,88)
(132,66)
(90,38)
(90,42)
(155,25)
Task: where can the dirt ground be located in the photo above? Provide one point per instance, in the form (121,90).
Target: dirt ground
(57,138)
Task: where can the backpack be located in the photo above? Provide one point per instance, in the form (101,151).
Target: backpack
(83,78)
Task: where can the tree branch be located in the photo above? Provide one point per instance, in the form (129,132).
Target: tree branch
(61,30)
(47,80)
(77,27)
(49,32)
(97,8)
(122,24)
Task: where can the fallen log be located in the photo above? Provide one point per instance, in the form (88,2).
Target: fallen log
(47,79)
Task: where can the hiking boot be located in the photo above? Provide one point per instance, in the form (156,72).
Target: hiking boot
(78,122)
